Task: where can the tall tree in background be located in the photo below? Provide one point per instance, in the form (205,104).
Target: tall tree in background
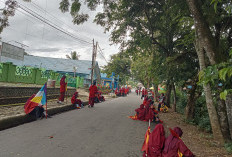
(209,44)
(73,55)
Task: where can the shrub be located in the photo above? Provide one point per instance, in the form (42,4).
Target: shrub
(228,147)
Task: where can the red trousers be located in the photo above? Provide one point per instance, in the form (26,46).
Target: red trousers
(62,94)
(91,101)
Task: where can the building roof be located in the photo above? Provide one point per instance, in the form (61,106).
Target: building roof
(55,64)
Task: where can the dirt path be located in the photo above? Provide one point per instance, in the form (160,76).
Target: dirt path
(199,142)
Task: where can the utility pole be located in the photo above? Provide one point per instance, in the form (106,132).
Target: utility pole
(92,68)
(95,57)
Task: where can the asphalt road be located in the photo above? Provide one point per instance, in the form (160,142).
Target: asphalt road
(102,131)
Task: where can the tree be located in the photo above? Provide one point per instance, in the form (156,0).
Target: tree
(73,55)
(162,43)
(206,42)
(6,12)
(120,65)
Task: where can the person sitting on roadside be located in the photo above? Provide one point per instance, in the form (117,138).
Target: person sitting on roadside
(156,142)
(174,146)
(33,109)
(140,112)
(161,99)
(163,108)
(120,91)
(116,92)
(96,99)
(156,118)
(100,96)
(149,110)
(76,101)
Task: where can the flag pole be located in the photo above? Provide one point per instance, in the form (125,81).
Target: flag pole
(46,110)
(46,103)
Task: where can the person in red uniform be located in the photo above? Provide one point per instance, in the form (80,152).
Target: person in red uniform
(120,91)
(156,142)
(125,91)
(100,96)
(174,145)
(139,90)
(63,85)
(140,112)
(149,113)
(76,101)
(143,93)
(92,94)
(116,91)
(153,94)
(136,91)
(128,90)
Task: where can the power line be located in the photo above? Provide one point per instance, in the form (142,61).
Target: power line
(101,53)
(52,16)
(41,18)
(32,18)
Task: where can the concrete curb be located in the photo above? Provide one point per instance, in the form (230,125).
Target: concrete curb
(22,119)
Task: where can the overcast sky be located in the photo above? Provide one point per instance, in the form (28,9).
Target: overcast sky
(48,42)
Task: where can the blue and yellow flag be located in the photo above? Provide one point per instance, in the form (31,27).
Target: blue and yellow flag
(41,96)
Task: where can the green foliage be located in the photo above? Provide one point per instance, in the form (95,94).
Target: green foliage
(228,147)
(218,73)
(201,117)
(64,6)
(76,5)
(181,101)
(120,64)
(73,55)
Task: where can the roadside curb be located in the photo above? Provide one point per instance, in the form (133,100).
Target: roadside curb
(22,119)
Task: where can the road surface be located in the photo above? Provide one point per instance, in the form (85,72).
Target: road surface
(102,131)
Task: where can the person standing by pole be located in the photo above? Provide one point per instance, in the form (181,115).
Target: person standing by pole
(92,94)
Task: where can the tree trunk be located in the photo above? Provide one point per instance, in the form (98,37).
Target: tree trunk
(222,115)
(229,111)
(168,94)
(204,34)
(174,97)
(190,107)
(217,133)
(156,93)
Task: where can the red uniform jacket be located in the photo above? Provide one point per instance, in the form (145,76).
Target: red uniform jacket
(156,142)
(143,92)
(92,91)
(173,144)
(62,84)
(74,99)
(140,112)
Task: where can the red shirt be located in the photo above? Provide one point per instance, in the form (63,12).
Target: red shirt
(62,84)
(92,91)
